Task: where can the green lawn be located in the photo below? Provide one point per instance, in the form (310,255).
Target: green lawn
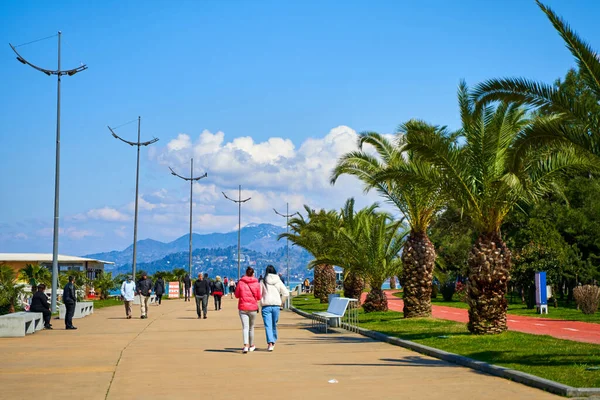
(564,312)
(558,360)
(107,303)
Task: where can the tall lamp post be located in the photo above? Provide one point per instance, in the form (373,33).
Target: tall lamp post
(191,179)
(137,183)
(239,201)
(287,216)
(59,73)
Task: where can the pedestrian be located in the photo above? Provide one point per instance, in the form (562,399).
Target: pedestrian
(217,292)
(306,285)
(70,299)
(201,293)
(273,291)
(159,290)
(40,304)
(144,289)
(225,285)
(128,293)
(248,293)
(231,287)
(187,285)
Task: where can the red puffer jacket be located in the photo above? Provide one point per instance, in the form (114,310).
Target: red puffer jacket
(248,293)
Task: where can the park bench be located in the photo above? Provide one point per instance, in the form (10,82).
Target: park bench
(82,308)
(20,324)
(336,311)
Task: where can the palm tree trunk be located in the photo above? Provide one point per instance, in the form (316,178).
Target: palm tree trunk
(418,259)
(489,264)
(393,282)
(354,284)
(324,282)
(376,299)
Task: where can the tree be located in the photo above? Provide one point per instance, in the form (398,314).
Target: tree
(10,290)
(105,283)
(180,273)
(412,185)
(486,175)
(35,275)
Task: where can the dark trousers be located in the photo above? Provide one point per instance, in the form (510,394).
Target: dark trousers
(46,314)
(201,301)
(70,312)
(159,298)
(187,294)
(217,301)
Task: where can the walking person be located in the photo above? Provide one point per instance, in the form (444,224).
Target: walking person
(187,285)
(231,287)
(40,304)
(273,291)
(144,289)
(248,293)
(201,292)
(70,299)
(217,292)
(128,293)
(159,290)
(225,286)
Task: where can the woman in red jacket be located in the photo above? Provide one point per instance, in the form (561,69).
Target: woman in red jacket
(248,293)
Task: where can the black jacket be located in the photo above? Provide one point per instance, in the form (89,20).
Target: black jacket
(187,282)
(218,287)
(201,287)
(159,287)
(39,302)
(69,297)
(144,286)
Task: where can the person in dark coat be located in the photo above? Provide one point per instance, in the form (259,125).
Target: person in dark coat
(159,290)
(187,285)
(70,299)
(218,290)
(39,303)
(201,292)
(144,288)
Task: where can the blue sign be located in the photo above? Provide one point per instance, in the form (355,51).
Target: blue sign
(541,294)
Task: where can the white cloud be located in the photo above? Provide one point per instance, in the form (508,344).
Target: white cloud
(107,214)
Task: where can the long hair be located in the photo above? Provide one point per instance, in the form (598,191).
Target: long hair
(270,270)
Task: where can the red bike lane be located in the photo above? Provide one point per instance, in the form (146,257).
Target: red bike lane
(570,330)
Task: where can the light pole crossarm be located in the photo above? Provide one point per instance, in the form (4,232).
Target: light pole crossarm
(69,72)
(236,201)
(188,179)
(131,143)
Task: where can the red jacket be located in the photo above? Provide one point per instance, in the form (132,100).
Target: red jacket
(248,293)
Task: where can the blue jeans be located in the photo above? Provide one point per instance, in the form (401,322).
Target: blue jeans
(270,316)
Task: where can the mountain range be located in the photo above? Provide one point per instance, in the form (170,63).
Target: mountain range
(258,237)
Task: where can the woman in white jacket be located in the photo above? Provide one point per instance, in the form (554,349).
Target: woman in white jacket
(273,291)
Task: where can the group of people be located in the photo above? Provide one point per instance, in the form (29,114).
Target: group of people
(40,304)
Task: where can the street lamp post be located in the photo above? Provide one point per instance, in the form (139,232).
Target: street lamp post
(59,73)
(287,216)
(191,179)
(239,201)
(137,182)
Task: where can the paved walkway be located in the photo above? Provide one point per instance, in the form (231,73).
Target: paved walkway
(570,330)
(174,355)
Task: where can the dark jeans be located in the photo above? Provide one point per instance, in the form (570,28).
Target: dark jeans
(70,312)
(46,314)
(187,293)
(201,301)
(217,301)
(159,298)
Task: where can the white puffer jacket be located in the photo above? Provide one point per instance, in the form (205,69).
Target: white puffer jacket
(272,291)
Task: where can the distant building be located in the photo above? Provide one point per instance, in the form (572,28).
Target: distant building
(65,263)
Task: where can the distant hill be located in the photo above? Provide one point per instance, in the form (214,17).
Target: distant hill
(257,237)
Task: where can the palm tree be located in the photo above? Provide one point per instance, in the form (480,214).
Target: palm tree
(179,274)
(105,283)
(487,176)
(316,234)
(572,119)
(10,290)
(393,173)
(35,275)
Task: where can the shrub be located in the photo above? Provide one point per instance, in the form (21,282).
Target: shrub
(434,291)
(461,291)
(587,298)
(448,289)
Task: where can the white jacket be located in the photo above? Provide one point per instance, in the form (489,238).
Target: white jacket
(272,291)
(128,290)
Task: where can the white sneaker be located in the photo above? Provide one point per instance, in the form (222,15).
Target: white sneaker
(245,350)
(252,348)
(271,347)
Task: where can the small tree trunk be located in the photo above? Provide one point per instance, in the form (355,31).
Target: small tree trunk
(489,263)
(393,282)
(376,300)
(354,285)
(324,282)
(418,260)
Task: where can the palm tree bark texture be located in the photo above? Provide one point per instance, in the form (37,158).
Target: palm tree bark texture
(354,284)
(489,263)
(376,300)
(324,282)
(418,260)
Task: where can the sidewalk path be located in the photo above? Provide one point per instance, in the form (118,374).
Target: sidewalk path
(570,330)
(174,355)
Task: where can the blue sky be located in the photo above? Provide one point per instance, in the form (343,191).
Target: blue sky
(262,93)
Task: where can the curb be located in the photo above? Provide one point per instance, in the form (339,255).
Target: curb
(495,370)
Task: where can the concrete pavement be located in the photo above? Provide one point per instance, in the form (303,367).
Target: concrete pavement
(174,355)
